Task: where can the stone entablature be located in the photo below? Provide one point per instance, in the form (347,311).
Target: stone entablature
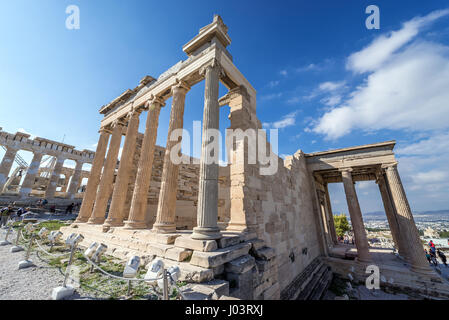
(40,147)
(22,141)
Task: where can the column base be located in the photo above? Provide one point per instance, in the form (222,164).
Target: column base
(237,227)
(206,233)
(164,227)
(96,220)
(81,220)
(136,225)
(114,222)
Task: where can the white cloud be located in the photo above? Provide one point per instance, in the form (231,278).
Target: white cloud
(331,86)
(283,73)
(286,121)
(377,52)
(273,83)
(332,100)
(409,92)
(435,145)
(270,96)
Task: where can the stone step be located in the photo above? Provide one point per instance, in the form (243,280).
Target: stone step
(178,254)
(212,290)
(196,245)
(220,256)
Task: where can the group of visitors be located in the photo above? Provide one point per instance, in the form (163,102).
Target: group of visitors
(346,239)
(432,253)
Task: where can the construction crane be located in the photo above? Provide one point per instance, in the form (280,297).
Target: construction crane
(19,160)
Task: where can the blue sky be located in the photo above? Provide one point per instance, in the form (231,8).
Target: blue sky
(322,77)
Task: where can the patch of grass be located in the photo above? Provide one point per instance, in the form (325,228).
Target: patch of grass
(52,224)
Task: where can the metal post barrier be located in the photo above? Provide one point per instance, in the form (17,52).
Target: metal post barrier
(6,242)
(27,263)
(72,251)
(16,247)
(165,287)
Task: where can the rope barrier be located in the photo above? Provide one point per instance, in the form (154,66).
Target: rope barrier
(23,237)
(49,253)
(42,249)
(117,277)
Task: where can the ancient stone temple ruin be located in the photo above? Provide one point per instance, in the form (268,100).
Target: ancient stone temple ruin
(235,230)
(27,182)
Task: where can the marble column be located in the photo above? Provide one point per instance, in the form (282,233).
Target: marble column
(409,232)
(165,218)
(207,212)
(66,182)
(6,164)
(73,187)
(116,215)
(137,216)
(331,215)
(32,171)
(355,213)
(94,177)
(107,178)
(54,178)
(391,216)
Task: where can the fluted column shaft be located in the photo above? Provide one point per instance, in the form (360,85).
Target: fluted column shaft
(391,217)
(73,187)
(207,211)
(358,227)
(5,166)
(331,215)
(54,178)
(32,171)
(106,182)
(94,178)
(406,223)
(137,216)
(116,215)
(165,218)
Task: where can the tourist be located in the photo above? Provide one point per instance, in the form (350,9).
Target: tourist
(69,208)
(433,250)
(442,257)
(428,257)
(4,215)
(433,257)
(44,202)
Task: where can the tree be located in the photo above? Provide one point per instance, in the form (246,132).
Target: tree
(341,224)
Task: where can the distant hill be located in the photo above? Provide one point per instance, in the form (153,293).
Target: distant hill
(381,213)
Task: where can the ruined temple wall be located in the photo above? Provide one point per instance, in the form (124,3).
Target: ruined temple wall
(286,221)
(187,195)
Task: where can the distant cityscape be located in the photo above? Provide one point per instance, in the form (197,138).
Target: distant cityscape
(431,225)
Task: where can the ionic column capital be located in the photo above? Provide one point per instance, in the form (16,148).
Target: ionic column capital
(105,130)
(212,64)
(180,86)
(346,170)
(154,101)
(389,166)
(133,112)
(118,123)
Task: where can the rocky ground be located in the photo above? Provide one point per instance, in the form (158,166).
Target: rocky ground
(35,283)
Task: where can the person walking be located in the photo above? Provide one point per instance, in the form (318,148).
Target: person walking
(69,208)
(433,257)
(4,215)
(428,257)
(442,256)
